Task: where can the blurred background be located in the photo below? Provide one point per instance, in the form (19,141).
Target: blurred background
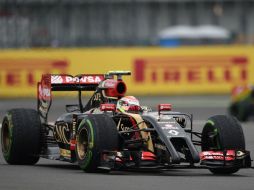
(79,23)
(178,46)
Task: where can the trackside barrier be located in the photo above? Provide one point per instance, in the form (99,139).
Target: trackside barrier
(155,71)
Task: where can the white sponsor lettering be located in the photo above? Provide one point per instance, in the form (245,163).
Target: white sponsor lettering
(173,132)
(84,79)
(167,122)
(69,79)
(210,155)
(109,83)
(91,79)
(169,126)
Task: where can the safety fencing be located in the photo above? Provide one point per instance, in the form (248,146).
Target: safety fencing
(155,71)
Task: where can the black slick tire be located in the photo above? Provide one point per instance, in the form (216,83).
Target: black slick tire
(95,134)
(220,133)
(21,137)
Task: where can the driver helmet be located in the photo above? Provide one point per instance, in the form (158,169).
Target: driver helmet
(128,104)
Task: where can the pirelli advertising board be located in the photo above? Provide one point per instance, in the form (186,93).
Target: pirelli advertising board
(155,71)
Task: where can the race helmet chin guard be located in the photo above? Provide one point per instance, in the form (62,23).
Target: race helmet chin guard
(128,104)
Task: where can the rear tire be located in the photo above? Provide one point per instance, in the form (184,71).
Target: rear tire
(240,111)
(95,134)
(21,136)
(220,133)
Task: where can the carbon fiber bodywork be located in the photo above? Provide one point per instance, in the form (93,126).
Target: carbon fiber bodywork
(146,139)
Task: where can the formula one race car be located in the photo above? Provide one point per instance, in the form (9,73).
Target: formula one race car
(113,132)
(242,104)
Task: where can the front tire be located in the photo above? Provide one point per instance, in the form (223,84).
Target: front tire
(220,133)
(21,136)
(95,134)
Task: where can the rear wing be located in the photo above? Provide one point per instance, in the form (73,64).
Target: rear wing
(82,82)
(62,82)
(53,82)
(72,83)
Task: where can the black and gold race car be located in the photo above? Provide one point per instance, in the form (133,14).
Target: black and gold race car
(113,132)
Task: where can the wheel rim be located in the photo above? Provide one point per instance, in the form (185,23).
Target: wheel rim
(82,143)
(6,137)
(212,141)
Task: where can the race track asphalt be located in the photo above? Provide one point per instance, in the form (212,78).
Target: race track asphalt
(48,174)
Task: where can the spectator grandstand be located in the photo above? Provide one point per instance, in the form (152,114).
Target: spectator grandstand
(75,23)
